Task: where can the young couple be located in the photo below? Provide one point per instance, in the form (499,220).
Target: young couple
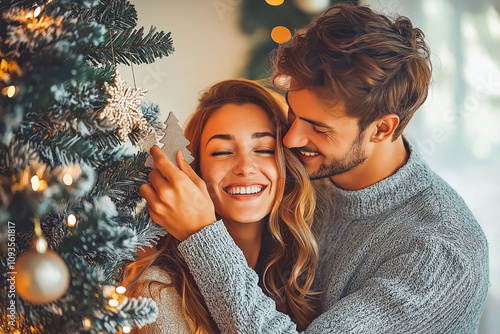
(394,248)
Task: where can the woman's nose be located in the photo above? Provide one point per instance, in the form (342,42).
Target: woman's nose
(244,165)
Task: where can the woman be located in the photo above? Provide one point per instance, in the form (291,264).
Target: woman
(260,191)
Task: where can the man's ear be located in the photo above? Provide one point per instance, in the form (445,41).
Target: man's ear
(384,127)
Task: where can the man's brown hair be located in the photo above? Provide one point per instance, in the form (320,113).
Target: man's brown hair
(376,65)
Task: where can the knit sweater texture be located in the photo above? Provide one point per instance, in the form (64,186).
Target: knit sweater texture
(404,255)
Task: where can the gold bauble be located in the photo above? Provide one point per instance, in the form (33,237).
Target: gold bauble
(41,277)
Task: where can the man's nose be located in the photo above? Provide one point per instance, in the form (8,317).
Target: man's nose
(296,136)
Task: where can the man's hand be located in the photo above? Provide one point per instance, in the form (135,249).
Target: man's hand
(178,199)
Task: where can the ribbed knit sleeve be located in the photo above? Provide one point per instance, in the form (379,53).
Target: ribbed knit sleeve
(229,285)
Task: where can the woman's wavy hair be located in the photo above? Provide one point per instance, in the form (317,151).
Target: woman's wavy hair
(290,265)
(378,66)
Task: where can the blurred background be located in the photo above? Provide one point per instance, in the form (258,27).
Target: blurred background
(457,130)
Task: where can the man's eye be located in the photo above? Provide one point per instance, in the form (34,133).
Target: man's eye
(220,153)
(315,129)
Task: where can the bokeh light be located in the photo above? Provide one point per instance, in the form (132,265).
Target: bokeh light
(275,2)
(121,289)
(11,91)
(67,179)
(71,219)
(280,34)
(35,183)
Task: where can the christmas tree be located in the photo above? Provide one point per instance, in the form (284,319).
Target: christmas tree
(72,154)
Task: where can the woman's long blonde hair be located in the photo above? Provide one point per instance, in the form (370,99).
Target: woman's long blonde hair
(290,266)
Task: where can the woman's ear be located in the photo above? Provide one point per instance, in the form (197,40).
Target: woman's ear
(384,128)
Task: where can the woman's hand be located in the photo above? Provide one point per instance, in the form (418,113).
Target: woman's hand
(178,199)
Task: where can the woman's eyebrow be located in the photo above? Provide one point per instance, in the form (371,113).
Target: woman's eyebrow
(255,135)
(221,136)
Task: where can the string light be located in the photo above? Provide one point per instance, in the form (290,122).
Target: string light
(126,329)
(29,15)
(121,289)
(71,220)
(87,323)
(67,179)
(35,183)
(113,303)
(10,91)
(3,64)
(37,11)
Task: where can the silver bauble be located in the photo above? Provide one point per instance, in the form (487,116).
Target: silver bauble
(41,277)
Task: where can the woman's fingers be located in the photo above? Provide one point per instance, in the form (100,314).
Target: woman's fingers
(159,182)
(163,164)
(186,168)
(178,199)
(149,193)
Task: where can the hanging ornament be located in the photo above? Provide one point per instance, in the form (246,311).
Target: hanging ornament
(123,107)
(171,141)
(174,140)
(42,275)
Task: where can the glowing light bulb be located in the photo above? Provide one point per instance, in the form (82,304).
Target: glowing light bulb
(3,64)
(29,15)
(35,183)
(121,289)
(126,329)
(113,303)
(37,11)
(71,220)
(67,179)
(11,91)
(87,323)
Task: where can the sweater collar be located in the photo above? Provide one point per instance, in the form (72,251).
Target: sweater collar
(411,179)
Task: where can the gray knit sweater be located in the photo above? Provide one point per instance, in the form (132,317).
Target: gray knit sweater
(404,255)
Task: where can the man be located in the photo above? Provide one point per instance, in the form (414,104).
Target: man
(400,251)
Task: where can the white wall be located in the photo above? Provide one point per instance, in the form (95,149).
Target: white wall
(208,48)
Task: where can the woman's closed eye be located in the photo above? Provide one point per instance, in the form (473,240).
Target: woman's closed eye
(265,151)
(217,153)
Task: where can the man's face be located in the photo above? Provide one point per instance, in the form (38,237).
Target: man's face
(326,139)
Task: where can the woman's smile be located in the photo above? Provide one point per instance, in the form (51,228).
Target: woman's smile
(245,191)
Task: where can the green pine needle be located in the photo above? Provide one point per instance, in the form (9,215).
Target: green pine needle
(130,44)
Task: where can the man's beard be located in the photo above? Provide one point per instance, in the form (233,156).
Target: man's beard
(353,158)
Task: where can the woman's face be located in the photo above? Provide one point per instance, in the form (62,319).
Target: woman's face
(237,162)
